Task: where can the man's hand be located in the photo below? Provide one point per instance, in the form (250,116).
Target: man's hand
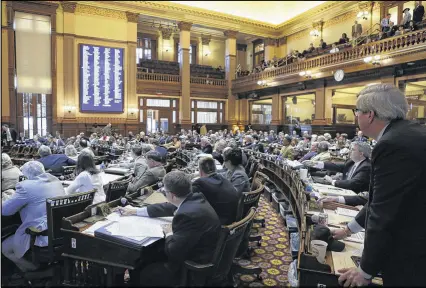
(339,234)
(127,211)
(352,278)
(328,179)
(328,199)
(167,229)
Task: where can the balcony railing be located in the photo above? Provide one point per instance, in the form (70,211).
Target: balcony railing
(176,79)
(389,45)
(208,81)
(158,77)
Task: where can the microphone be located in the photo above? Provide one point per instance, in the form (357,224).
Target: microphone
(123,201)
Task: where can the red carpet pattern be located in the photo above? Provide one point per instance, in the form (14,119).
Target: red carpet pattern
(273,256)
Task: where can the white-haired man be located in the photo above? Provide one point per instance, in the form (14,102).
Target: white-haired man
(393,216)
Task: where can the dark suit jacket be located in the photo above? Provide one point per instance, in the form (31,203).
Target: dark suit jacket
(394,215)
(360,179)
(208,149)
(195,227)
(356,200)
(222,195)
(218,157)
(55,162)
(418,13)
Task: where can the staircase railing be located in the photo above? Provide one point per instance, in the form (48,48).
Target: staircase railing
(368,33)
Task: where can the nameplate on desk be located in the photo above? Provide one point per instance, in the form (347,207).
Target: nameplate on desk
(117,170)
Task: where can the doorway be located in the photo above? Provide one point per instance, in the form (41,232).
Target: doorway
(158,120)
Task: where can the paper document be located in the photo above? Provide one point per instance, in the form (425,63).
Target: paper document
(127,227)
(331,190)
(346,212)
(155,198)
(358,237)
(96,226)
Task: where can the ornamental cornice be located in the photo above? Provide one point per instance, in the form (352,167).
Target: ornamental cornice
(99,11)
(132,17)
(230,34)
(68,6)
(184,26)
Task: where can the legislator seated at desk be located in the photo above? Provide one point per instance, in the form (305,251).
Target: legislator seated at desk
(88,178)
(220,193)
(355,172)
(9,173)
(53,162)
(194,233)
(30,201)
(138,164)
(206,147)
(154,172)
(235,172)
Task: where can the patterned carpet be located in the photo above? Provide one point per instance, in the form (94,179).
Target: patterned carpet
(274,255)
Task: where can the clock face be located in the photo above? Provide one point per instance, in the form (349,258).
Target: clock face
(338,75)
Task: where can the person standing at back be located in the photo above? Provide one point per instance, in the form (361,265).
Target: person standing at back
(393,218)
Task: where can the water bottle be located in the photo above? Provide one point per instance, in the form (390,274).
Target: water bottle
(102,166)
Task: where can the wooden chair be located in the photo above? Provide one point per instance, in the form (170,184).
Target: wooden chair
(48,257)
(117,189)
(218,271)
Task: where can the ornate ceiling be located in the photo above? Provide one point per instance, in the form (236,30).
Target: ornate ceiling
(271,12)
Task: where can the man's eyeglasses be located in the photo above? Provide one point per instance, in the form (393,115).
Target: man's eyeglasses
(359,111)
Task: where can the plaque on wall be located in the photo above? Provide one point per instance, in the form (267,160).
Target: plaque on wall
(101,79)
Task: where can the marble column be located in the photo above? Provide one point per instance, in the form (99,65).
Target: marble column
(132,34)
(276,121)
(230,66)
(185,77)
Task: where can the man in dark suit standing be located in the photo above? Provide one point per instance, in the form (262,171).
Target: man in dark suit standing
(356,171)
(220,193)
(418,12)
(394,215)
(193,235)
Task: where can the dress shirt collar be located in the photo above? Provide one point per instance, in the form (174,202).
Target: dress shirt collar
(382,132)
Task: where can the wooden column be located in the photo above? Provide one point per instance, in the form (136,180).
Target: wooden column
(132,101)
(323,107)
(185,77)
(244,113)
(5,101)
(230,66)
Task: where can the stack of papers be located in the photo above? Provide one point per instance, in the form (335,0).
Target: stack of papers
(294,164)
(331,190)
(346,212)
(358,237)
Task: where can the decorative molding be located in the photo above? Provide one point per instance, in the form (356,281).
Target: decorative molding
(96,39)
(98,11)
(339,19)
(282,41)
(166,33)
(184,26)
(230,34)
(205,39)
(68,6)
(132,17)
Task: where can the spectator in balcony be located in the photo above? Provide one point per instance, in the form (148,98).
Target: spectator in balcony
(400,31)
(385,24)
(309,50)
(392,29)
(418,13)
(356,30)
(406,18)
(322,44)
(334,49)
(344,39)
(413,26)
(382,35)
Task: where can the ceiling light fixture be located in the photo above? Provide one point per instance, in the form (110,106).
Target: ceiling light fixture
(363,15)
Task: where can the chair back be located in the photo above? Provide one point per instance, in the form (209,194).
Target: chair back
(62,207)
(253,168)
(117,189)
(251,199)
(67,170)
(258,177)
(231,237)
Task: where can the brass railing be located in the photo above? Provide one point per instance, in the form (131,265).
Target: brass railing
(389,45)
(208,81)
(158,77)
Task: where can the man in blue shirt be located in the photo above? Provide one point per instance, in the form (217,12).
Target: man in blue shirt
(53,162)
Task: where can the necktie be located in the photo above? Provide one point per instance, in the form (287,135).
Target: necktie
(351,172)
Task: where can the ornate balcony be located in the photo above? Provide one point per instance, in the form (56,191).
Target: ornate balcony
(408,47)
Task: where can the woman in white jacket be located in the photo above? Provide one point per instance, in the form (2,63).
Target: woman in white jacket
(89,178)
